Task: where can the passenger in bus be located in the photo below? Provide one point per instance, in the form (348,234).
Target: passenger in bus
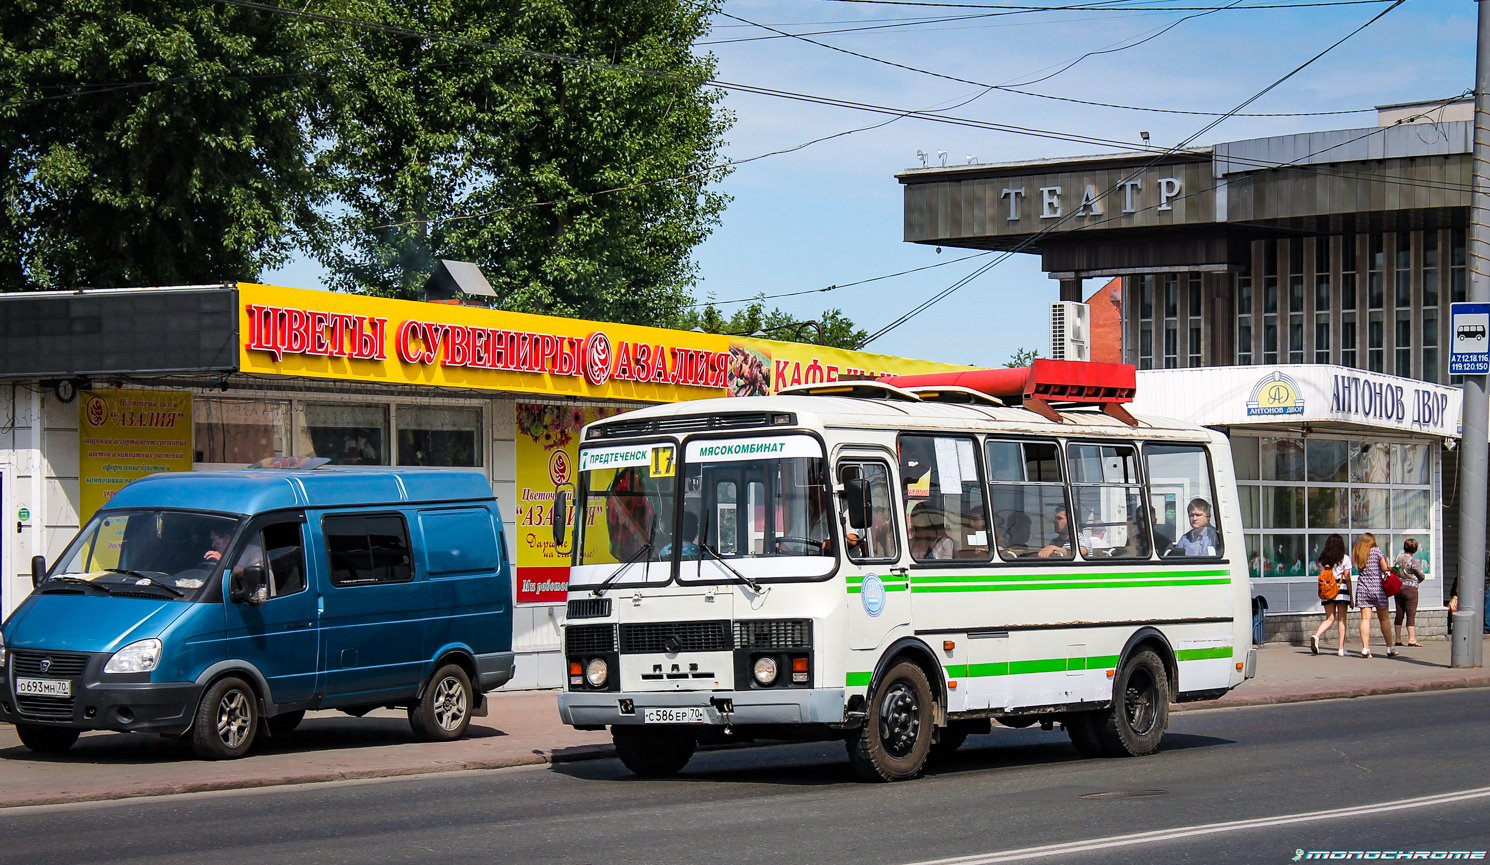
(1095,541)
(1201,539)
(1060,542)
(929,540)
(874,541)
(689,536)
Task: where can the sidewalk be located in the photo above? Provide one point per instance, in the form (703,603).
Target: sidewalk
(523,728)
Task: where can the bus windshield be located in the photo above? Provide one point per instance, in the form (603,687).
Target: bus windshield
(762,504)
(627,502)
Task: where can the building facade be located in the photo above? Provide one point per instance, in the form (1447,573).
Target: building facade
(1325,259)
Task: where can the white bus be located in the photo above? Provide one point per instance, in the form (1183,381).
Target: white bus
(897,568)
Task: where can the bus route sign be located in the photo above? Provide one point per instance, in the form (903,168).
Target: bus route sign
(1469,339)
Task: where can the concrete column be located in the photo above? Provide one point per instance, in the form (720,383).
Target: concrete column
(1071,290)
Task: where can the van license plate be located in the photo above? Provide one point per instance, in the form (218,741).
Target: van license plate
(691,715)
(44,687)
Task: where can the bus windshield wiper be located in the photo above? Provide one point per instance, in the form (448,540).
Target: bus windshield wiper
(754,586)
(149,581)
(645,549)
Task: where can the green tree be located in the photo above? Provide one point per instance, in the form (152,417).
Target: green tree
(149,143)
(832,328)
(1022,357)
(556,178)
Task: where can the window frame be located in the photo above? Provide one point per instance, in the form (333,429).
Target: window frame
(1064,484)
(1141,482)
(980,482)
(1221,536)
(891,478)
(326,548)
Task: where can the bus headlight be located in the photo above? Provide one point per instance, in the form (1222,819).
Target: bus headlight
(596,672)
(765,671)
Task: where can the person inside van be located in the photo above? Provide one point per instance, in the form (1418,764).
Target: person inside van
(217,544)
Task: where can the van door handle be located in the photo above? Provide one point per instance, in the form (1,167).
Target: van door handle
(295,626)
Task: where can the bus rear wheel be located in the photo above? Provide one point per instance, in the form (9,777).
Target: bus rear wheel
(895,739)
(1135,724)
(1082,728)
(653,752)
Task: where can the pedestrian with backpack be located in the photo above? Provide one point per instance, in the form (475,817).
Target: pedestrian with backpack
(1334,591)
(1369,594)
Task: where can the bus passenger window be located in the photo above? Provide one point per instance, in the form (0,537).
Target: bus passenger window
(1030,518)
(1110,514)
(943,498)
(1183,501)
(877,541)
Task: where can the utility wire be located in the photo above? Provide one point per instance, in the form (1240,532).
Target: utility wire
(1023,244)
(1104,7)
(839,285)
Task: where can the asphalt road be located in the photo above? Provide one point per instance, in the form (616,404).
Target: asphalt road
(1007,791)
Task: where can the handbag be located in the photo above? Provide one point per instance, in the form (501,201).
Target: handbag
(1391,584)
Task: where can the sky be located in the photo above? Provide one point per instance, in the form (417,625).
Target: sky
(831,213)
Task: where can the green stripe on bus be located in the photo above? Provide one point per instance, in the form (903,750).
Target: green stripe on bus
(857,680)
(1203,654)
(1045,665)
(1001,578)
(1047,586)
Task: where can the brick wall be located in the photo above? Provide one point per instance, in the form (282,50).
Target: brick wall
(1107,322)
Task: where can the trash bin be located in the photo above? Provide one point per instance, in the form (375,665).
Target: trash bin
(1259,620)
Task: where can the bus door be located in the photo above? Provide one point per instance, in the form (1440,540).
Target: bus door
(879,598)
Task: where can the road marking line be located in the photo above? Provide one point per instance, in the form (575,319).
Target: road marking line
(1093,844)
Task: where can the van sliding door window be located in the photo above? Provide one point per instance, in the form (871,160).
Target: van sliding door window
(367,549)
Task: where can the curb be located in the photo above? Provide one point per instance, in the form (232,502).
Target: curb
(600,752)
(1227,702)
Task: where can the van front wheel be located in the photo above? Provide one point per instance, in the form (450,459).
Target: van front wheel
(46,740)
(226,721)
(444,712)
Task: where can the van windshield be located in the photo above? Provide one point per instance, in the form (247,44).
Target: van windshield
(144,553)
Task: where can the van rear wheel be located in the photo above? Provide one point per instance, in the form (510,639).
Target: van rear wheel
(227,719)
(46,740)
(444,712)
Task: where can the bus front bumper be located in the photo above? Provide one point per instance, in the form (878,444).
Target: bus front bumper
(795,706)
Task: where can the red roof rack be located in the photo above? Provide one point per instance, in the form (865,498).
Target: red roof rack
(1064,382)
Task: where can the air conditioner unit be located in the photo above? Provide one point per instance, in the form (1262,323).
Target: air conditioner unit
(1070,331)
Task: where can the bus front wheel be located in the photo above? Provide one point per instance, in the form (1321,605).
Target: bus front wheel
(895,739)
(653,752)
(1135,724)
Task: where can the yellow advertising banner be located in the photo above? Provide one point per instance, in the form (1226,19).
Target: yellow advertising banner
(324,335)
(127,434)
(547,453)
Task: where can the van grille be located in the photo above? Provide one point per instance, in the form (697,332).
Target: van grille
(48,708)
(65,665)
(687,637)
(685,423)
(774,634)
(588,608)
(587,639)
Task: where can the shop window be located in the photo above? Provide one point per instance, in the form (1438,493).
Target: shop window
(943,498)
(352,435)
(1111,521)
(1283,507)
(1328,507)
(1282,459)
(1368,507)
(1182,502)
(1370,462)
(1283,556)
(1411,464)
(1327,459)
(1028,499)
(439,436)
(238,431)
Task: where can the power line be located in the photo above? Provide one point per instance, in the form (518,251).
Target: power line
(939,296)
(839,285)
(1085,7)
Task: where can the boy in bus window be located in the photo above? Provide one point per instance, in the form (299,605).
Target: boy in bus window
(1201,539)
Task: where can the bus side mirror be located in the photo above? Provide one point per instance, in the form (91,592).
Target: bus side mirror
(857,492)
(247,585)
(561,518)
(38,570)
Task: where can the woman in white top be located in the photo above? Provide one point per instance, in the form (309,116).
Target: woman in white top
(1333,558)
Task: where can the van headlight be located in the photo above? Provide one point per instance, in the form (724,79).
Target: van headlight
(596,672)
(137,657)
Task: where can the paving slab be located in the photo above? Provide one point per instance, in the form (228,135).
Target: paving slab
(523,728)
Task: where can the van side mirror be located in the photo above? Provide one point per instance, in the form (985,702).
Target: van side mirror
(38,570)
(857,492)
(561,518)
(247,585)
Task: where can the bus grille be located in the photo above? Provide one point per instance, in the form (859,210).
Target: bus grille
(588,608)
(774,634)
(587,639)
(64,665)
(676,637)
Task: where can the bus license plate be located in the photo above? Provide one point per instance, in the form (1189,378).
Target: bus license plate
(44,687)
(691,715)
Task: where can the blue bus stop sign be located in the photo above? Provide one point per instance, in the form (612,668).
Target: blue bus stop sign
(1469,339)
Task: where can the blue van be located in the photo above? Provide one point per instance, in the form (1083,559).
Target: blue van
(221,605)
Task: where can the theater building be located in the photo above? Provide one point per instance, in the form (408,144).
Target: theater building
(1292,290)
(103,386)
